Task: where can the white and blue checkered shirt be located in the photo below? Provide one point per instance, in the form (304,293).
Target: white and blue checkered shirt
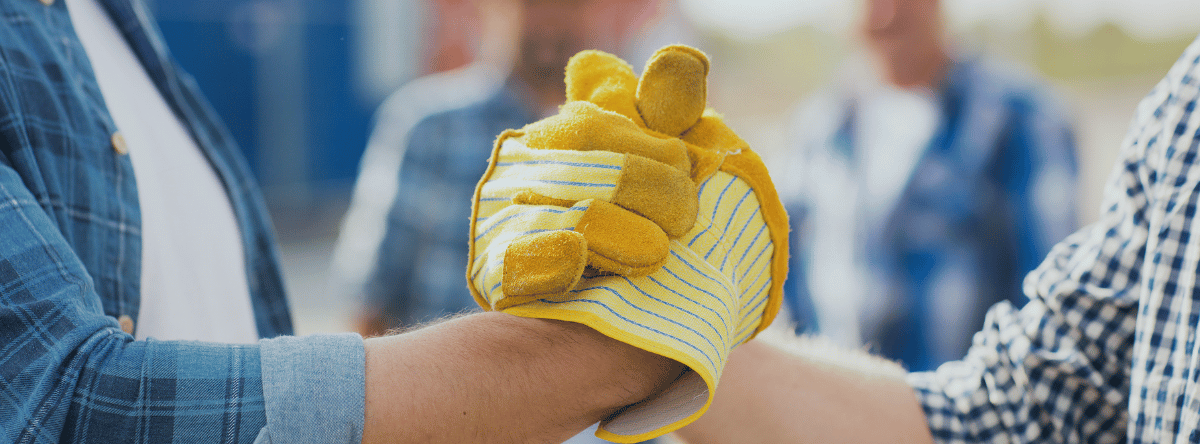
(1105,351)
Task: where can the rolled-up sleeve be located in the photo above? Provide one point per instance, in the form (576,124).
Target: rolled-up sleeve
(314,389)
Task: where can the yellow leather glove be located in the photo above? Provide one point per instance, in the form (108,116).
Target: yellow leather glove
(600,187)
(718,283)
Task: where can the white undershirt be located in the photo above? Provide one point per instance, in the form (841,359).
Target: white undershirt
(193,271)
(890,146)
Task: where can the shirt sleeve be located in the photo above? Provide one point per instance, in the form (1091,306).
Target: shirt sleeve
(1041,178)
(69,374)
(314,388)
(1059,369)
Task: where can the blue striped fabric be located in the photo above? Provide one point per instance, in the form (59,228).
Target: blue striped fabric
(557,162)
(490,226)
(1105,350)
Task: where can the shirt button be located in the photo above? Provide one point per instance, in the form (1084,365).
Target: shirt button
(126,324)
(118,141)
(47,2)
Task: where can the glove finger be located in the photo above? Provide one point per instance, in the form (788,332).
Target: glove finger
(542,264)
(660,193)
(527,227)
(622,242)
(532,250)
(584,126)
(672,91)
(618,241)
(605,80)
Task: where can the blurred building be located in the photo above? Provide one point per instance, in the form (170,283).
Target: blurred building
(252,56)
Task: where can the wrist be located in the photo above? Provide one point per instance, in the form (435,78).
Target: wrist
(621,374)
(504,377)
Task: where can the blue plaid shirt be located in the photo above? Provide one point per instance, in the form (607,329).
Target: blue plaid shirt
(70,265)
(418,275)
(1105,350)
(987,197)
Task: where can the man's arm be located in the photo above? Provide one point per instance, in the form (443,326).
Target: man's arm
(809,392)
(493,377)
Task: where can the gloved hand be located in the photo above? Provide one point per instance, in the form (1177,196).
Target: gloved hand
(619,188)
(714,278)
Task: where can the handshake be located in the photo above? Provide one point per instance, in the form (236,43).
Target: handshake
(636,212)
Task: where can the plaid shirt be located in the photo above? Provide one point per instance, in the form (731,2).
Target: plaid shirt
(418,274)
(70,265)
(1105,350)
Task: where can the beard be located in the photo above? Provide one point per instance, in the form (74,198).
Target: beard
(544,60)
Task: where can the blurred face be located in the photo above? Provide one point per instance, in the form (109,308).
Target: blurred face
(554,30)
(902,32)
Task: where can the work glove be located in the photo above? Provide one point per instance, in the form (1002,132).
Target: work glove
(637,212)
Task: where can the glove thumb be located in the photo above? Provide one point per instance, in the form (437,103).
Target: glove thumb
(673,89)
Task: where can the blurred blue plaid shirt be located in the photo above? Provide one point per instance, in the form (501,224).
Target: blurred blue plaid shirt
(442,116)
(419,274)
(70,265)
(990,192)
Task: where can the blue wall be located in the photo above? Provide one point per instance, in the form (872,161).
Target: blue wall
(230,45)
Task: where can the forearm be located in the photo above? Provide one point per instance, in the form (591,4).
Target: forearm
(768,395)
(492,377)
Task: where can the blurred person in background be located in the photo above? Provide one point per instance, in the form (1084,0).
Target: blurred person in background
(403,245)
(356,268)
(922,189)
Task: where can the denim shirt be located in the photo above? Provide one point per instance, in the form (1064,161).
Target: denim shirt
(70,267)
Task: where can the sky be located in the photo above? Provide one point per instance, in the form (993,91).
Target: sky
(1142,18)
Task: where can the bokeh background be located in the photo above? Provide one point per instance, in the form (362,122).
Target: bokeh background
(297,82)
